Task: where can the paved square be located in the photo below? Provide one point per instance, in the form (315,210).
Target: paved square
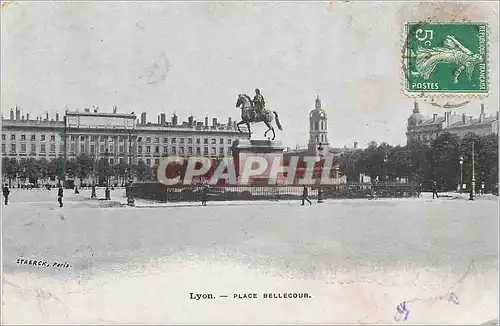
(357,259)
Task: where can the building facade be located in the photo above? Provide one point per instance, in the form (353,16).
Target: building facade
(118,137)
(426,129)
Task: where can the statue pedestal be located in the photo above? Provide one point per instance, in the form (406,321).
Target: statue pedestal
(270,150)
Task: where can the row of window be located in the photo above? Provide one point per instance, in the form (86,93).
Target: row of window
(32,137)
(102,149)
(43,148)
(182,150)
(173,140)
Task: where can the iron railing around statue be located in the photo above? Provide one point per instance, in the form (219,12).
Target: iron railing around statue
(186,193)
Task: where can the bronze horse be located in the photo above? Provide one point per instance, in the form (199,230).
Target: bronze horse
(249,115)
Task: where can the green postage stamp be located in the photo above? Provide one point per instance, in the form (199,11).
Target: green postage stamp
(446,59)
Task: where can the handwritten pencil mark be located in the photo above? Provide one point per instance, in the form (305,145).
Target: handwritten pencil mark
(402,309)
(450,296)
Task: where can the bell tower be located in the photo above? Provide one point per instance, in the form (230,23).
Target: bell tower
(318,127)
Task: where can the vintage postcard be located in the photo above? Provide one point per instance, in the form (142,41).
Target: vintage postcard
(249,162)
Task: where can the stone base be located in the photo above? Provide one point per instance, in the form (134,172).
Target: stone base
(257,146)
(269,149)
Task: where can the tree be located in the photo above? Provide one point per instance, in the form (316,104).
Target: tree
(42,168)
(57,169)
(444,166)
(72,168)
(424,164)
(399,161)
(104,170)
(84,166)
(9,169)
(350,165)
(373,160)
(485,157)
(29,170)
(418,152)
(120,171)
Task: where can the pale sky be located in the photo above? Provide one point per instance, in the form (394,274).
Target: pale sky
(194,58)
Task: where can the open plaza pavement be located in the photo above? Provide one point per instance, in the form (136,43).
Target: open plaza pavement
(102,262)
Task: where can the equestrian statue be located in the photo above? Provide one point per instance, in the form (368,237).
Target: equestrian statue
(253,111)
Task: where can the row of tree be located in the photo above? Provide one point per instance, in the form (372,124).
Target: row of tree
(83,167)
(418,162)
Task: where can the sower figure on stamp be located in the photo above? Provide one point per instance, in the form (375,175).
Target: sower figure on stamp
(60,196)
(305,196)
(453,52)
(6,193)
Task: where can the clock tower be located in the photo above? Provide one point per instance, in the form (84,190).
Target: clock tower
(318,128)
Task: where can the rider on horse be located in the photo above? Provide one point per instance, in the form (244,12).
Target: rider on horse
(259,103)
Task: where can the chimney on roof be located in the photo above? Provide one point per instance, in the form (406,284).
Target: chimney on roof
(355,145)
(158,119)
(22,117)
(57,116)
(463,118)
(143,118)
(214,122)
(47,116)
(175,119)
(434,117)
(229,122)
(415,107)
(18,113)
(11,114)
(482,115)
(27,116)
(447,116)
(190,120)
(162,119)
(206,122)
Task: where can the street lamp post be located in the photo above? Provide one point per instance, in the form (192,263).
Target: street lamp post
(385,165)
(461,172)
(107,169)
(320,191)
(473,181)
(130,198)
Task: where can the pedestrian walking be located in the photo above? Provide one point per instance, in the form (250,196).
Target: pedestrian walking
(204,195)
(6,193)
(60,196)
(305,196)
(434,190)
(320,195)
(93,195)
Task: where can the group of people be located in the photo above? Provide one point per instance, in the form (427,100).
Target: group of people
(6,193)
